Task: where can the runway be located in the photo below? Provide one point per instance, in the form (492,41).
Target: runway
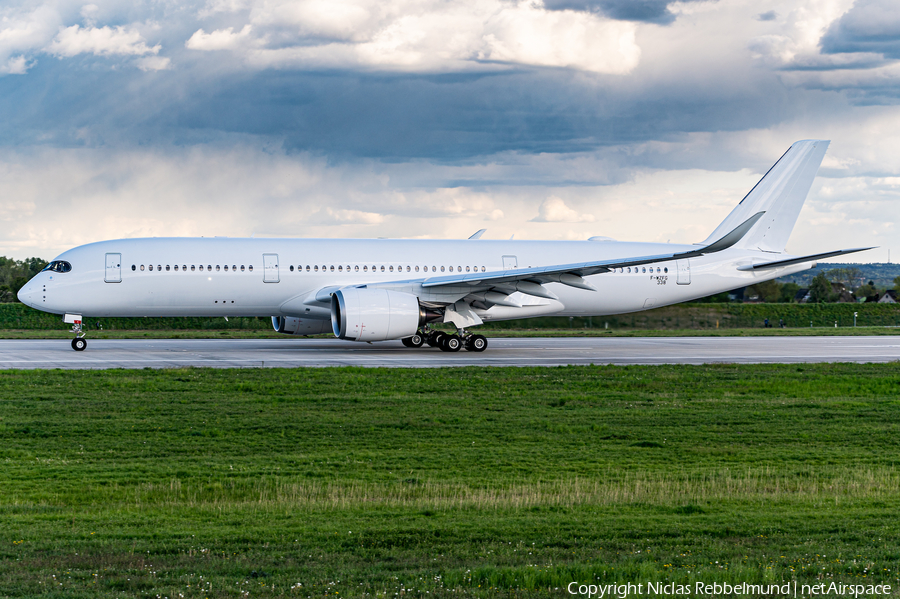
(291,353)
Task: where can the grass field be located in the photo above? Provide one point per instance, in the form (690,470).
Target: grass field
(462,482)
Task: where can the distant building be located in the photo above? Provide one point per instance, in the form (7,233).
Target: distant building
(802,296)
(889,297)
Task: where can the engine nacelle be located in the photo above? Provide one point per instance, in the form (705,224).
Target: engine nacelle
(291,325)
(375,314)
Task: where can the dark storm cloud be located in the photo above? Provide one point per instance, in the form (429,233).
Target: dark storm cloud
(869,26)
(392,117)
(647,11)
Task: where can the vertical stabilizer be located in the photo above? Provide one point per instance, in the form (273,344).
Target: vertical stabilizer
(780,194)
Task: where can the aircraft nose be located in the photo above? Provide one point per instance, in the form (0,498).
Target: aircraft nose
(25,294)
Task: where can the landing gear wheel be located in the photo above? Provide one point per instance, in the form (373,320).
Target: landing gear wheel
(451,343)
(436,338)
(415,341)
(476,343)
(79,343)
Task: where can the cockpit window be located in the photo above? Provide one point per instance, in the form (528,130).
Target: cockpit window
(59,266)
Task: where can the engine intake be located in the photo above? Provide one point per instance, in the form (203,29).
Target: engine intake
(362,314)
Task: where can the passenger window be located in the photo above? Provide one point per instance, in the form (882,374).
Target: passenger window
(234,267)
(407,269)
(307,268)
(250,268)
(434,269)
(467,269)
(417,269)
(159,267)
(226,268)
(451,269)
(217,268)
(365,268)
(242,268)
(317,268)
(644,269)
(666,269)
(442,269)
(209,267)
(133,267)
(176,268)
(392,268)
(151,267)
(332,268)
(142,267)
(201,268)
(184,267)
(192,268)
(340,268)
(356,268)
(482,269)
(292,268)
(382,268)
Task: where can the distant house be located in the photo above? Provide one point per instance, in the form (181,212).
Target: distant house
(843,295)
(889,297)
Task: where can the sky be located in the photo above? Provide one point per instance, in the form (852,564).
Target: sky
(640,120)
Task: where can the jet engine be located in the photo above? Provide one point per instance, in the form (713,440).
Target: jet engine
(291,325)
(362,314)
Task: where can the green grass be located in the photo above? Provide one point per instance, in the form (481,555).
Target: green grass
(458,482)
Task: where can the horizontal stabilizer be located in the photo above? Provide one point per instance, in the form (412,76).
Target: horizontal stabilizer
(800,259)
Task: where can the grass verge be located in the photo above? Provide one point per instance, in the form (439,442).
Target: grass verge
(464,482)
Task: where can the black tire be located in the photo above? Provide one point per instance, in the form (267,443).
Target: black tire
(451,343)
(415,341)
(477,343)
(434,339)
(79,344)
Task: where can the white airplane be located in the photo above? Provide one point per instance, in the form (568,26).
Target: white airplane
(382,289)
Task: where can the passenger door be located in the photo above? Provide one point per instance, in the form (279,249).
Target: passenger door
(113,272)
(270,268)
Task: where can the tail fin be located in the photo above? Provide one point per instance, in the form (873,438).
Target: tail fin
(780,194)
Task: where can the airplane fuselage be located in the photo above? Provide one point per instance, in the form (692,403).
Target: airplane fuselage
(275,277)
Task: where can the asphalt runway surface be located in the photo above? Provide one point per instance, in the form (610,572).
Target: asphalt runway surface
(559,351)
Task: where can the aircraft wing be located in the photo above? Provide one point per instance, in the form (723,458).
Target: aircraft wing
(572,274)
(801,259)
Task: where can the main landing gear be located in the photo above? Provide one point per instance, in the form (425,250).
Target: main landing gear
(448,343)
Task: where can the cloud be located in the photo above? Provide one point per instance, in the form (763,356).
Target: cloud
(100,41)
(647,11)
(413,36)
(869,26)
(770,15)
(23,32)
(554,210)
(220,39)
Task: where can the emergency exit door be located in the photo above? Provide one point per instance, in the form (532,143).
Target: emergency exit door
(270,268)
(684,272)
(113,268)
(510,263)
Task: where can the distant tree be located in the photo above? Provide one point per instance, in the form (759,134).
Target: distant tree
(866,291)
(848,275)
(820,290)
(788,292)
(896,283)
(719,298)
(15,273)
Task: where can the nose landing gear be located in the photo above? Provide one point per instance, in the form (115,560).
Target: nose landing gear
(79,342)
